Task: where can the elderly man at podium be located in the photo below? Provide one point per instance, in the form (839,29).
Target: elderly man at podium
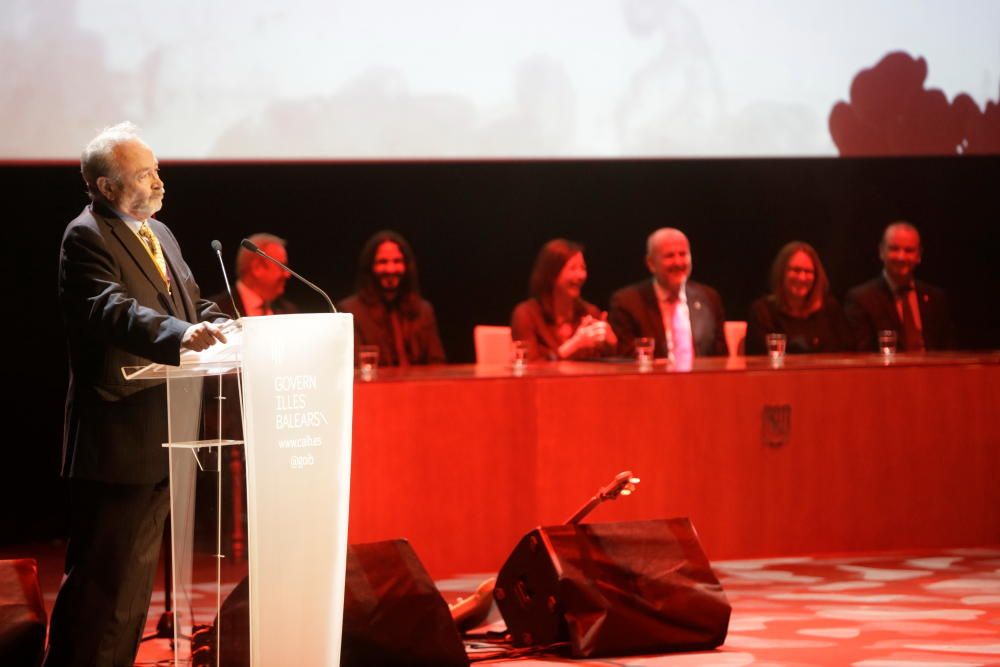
(127,298)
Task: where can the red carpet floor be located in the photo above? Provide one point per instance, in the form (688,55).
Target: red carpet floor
(940,608)
(933,609)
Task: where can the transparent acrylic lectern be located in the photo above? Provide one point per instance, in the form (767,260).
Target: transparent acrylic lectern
(295,378)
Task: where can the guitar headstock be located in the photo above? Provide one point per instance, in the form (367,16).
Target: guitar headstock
(622,485)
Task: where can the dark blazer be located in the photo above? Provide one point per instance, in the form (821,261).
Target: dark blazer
(372,327)
(871,307)
(118,312)
(232,420)
(635,312)
(280,306)
(825,330)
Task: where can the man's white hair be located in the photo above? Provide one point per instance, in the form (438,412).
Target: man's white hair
(98,157)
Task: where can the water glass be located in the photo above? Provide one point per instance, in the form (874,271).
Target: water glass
(518,356)
(368,361)
(887,342)
(776,344)
(644,352)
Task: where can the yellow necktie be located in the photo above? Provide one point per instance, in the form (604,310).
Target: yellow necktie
(155,251)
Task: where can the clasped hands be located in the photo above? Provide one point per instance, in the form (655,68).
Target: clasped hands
(592,333)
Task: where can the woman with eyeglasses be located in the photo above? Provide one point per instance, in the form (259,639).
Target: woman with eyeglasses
(800,306)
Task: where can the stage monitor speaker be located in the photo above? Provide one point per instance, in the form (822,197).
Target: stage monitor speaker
(22,614)
(393,614)
(611,589)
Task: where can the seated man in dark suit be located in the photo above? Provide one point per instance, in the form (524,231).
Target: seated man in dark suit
(896,300)
(259,290)
(260,284)
(388,310)
(683,317)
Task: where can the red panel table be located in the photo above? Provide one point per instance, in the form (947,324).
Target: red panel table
(824,454)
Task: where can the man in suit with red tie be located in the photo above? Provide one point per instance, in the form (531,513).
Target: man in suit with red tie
(684,318)
(897,301)
(259,291)
(127,299)
(260,283)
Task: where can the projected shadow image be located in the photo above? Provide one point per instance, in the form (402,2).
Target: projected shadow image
(891,112)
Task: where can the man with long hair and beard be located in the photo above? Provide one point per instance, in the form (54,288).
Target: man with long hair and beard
(388,309)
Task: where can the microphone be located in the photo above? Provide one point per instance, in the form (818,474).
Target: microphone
(252,247)
(217,247)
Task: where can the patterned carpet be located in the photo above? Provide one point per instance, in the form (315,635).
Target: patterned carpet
(933,608)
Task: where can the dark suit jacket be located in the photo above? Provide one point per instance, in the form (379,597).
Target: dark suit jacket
(635,312)
(372,327)
(118,312)
(232,420)
(871,307)
(280,306)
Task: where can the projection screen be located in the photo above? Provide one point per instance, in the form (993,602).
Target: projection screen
(381,79)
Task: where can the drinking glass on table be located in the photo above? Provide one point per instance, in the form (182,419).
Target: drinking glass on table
(518,356)
(776,345)
(367,361)
(887,342)
(644,347)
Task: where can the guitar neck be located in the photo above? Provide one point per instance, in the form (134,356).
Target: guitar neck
(587,508)
(623,484)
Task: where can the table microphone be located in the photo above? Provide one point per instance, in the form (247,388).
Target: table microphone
(217,247)
(249,245)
